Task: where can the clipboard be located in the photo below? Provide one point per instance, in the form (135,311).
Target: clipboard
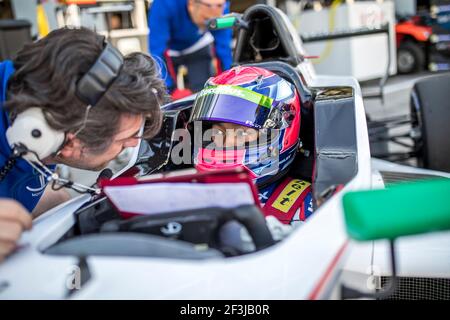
(180,190)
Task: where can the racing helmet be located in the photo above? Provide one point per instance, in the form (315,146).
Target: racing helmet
(256,98)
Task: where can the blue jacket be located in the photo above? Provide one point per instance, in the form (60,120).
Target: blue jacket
(172,28)
(22,183)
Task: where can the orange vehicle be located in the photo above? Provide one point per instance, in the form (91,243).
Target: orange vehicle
(412,38)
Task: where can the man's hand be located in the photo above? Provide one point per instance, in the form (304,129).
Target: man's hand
(14,219)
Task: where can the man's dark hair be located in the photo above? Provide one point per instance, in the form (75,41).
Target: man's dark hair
(46,76)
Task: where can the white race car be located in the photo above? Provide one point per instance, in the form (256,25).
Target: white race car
(69,254)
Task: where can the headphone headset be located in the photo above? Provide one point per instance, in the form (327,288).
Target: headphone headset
(31,131)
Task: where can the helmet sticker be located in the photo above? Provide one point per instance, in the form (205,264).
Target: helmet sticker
(239,92)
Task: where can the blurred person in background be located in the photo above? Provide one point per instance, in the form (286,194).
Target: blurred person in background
(181,44)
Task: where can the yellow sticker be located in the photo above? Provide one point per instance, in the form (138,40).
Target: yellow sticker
(290,194)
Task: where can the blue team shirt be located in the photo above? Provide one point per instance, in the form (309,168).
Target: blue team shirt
(171,27)
(22,183)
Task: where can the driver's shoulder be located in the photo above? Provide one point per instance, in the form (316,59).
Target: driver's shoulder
(290,199)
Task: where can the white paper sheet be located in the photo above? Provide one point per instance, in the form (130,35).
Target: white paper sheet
(156,198)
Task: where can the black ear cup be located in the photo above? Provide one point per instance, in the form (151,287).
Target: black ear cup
(92,86)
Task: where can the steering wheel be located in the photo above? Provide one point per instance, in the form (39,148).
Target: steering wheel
(198,226)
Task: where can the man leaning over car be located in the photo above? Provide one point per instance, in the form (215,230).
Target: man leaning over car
(44,74)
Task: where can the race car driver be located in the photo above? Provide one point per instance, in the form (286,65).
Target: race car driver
(254,120)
